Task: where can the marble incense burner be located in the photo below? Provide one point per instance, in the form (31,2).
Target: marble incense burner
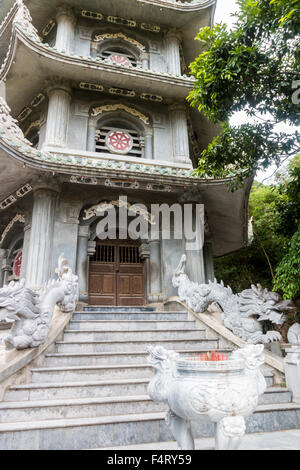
(221,391)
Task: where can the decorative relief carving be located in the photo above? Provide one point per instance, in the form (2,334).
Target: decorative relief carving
(92,15)
(32,125)
(48,28)
(121,184)
(150,27)
(37,100)
(83,180)
(115,107)
(24,114)
(98,209)
(102,37)
(120,21)
(18,218)
(91,86)
(149,97)
(21,192)
(122,92)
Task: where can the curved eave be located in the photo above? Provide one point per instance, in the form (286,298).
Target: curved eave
(227,211)
(160,12)
(26,55)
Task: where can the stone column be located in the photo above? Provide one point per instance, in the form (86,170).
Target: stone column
(91,135)
(59,93)
(148,136)
(144,252)
(26,244)
(7,271)
(292,370)
(41,234)
(155,289)
(208,261)
(3,255)
(82,261)
(173,40)
(66,21)
(144,59)
(180,136)
(94,48)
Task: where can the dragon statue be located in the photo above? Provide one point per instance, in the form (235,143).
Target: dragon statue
(32,312)
(243,313)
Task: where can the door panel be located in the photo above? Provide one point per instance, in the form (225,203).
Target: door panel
(117,275)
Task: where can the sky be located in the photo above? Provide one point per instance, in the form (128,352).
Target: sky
(223,11)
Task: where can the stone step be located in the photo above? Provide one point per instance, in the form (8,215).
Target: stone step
(84,373)
(153,316)
(134,345)
(88,389)
(126,325)
(116,309)
(275,395)
(13,412)
(109,431)
(97,406)
(137,335)
(133,357)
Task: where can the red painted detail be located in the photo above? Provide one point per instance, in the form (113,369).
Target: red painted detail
(120,59)
(17,264)
(119,141)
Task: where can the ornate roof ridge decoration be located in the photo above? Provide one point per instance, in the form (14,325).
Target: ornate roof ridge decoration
(24,20)
(120,35)
(17,218)
(95,15)
(8,17)
(9,125)
(114,107)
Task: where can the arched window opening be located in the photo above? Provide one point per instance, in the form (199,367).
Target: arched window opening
(120,138)
(119,55)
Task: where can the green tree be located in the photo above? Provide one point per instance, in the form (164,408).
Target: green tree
(253,68)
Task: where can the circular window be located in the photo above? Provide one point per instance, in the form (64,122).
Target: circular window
(17,264)
(120,59)
(119,142)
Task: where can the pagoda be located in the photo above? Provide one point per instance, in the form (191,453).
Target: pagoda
(93,108)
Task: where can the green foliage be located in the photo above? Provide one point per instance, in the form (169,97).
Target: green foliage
(287,278)
(250,68)
(272,258)
(250,264)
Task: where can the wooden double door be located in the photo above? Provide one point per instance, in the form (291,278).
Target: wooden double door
(116,274)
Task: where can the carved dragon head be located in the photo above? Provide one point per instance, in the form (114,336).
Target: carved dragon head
(164,362)
(17,302)
(265,304)
(253,358)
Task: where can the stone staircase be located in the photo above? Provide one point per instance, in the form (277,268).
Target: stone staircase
(92,391)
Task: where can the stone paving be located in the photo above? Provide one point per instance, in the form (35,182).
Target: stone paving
(279,440)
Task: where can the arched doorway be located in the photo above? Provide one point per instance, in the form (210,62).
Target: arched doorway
(117,274)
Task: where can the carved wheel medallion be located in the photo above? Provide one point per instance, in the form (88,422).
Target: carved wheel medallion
(120,59)
(119,142)
(17,265)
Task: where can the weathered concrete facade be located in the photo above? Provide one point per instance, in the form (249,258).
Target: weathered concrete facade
(103,104)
